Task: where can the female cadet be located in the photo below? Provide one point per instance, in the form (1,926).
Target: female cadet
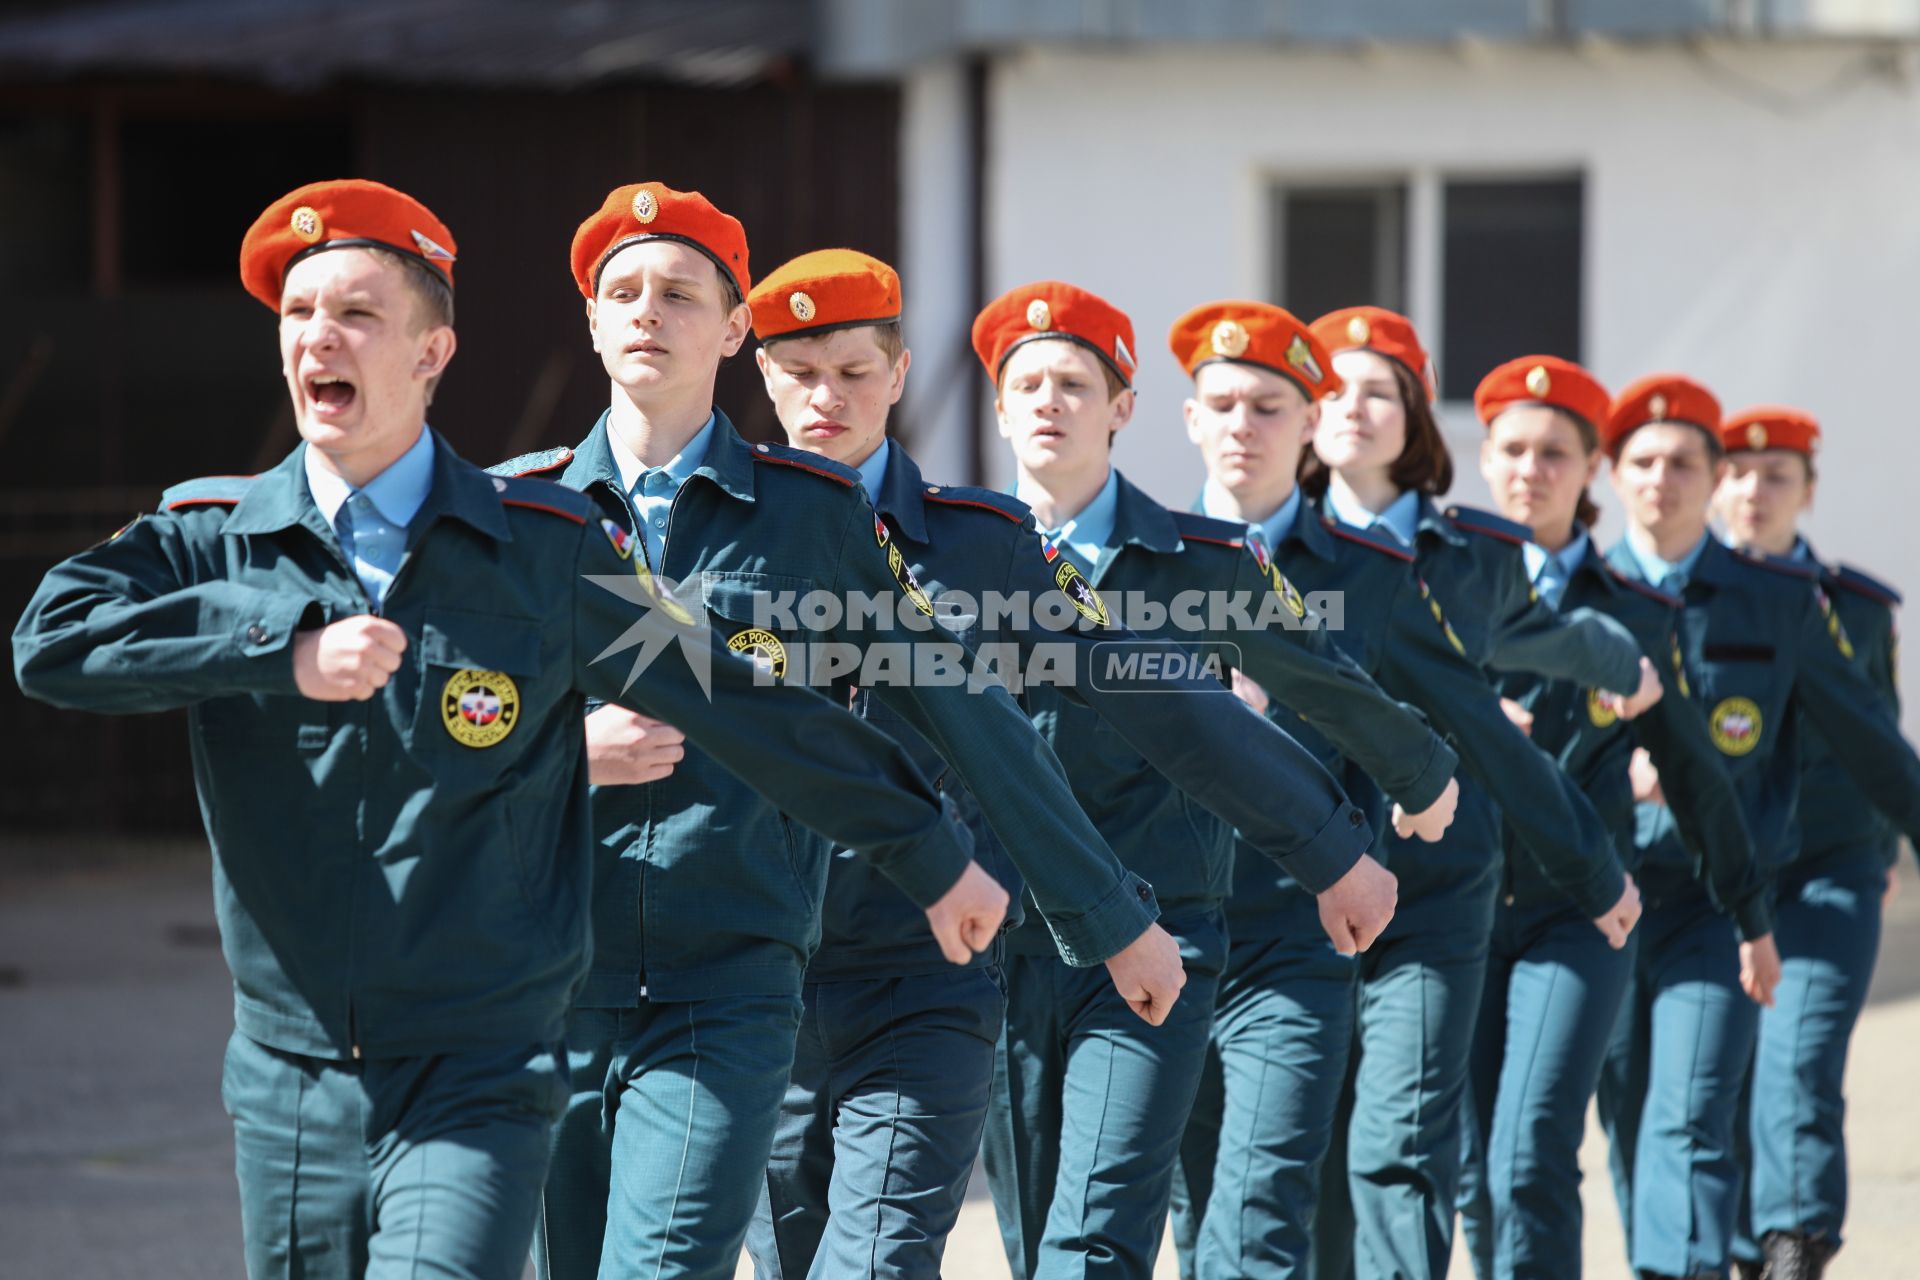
(1761,649)
(1552,989)
(1284,1023)
(1828,898)
(1378,459)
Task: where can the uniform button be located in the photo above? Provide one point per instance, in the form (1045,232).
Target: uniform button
(1146,894)
(1508,899)
(256,634)
(659,524)
(1356,819)
(762,448)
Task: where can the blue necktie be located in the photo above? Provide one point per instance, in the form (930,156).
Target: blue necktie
(1552,580)
(373,546)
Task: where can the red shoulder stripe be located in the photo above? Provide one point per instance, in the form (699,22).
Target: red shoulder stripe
(1397,553)
(969,502)
(209,501)
(834,476)
(562,512)
(1645,589)
(1218,542)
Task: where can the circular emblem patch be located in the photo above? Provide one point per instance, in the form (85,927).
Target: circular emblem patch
(480,708)
(1074,585)
(1756,436)
(646,206)
(801,306)
(1230,339)
(1358,331)
(1539,382)
(1602,715)
(764,648)
(1039,314)
(306,223)
(1657,407)
(1735,723)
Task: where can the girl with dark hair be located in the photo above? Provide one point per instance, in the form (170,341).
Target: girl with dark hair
(1553,989)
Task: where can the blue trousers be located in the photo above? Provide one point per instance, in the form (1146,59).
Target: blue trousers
(1553,992)
(1670,1086)
(1388,1191)
(390,1168)
(1088,1106)
(1249,1171)
(659,1160)
(880,1126)
(1827,926)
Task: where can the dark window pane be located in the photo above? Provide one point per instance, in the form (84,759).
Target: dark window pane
(1341,247)
(1512,278)
(46,217)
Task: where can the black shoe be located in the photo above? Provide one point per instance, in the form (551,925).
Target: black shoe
(1793,1256)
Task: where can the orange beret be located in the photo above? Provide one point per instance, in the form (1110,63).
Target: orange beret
(1771,426)
(1543,380)
(345,213)
(1377,329)
(822,291)
(655,211)
(1256,333)
(1051,309)
(1661,397)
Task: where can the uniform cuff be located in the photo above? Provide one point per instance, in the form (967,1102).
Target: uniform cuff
(263,631)
(1319,864)
(1754,916)
(1439,769)
(936,861)
(1115,923)
(1597,894)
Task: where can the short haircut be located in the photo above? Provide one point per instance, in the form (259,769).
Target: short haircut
(432,297)
(1424,465)
(885,336)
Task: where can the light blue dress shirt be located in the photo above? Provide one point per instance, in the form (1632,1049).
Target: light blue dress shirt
(1272,529)
(1399,520)
(1549,571)
(371,521)
(873,472)
(1086,535)
(654,488)
(1669,576)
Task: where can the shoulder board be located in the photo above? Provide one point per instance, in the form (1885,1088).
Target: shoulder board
(1371,541)
(966,495)
(1789,568)
(532,464)
(1853,580)
(1642,588)
(1474,520)
(801,460)
(1194,527)
(532,494)
(206,491)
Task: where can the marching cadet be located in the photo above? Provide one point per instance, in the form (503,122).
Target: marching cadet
(1088,1109)
(1378,458)
(1828,895)
(706,899)
(391,767)
(1762,648)
(1553,989)
(1284,1023)
(889,1091)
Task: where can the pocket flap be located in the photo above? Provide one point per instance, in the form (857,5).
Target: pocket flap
(737,596)
(483,641)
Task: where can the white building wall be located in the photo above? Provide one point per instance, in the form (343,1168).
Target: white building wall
(1753,217)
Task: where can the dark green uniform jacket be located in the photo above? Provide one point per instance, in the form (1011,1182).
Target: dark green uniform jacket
(410,874)
(1834,812)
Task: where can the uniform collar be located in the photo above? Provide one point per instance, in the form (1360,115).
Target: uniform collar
(873,472)
(1568,558)
(1090,531)
(900,493)
(1656,571)
(1405,516)
(395,493)
(279,499)
(727,461)
(1275,528)
(684,463)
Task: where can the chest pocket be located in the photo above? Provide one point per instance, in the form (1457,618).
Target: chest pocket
(476,672)
(756,616)
(1743,692)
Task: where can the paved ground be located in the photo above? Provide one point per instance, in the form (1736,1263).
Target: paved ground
(116,1160)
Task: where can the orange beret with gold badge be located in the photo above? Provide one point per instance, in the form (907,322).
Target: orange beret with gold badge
(822,291)
(344,213)
(1256,333)
(1545,380)
(1661,397)
(644,211)
(1053,309)
(1771,426)
(1377,329)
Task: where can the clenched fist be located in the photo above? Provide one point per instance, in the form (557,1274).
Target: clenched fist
(349,660)
(1148,974)
(1431,822)
(625,748)
(1359,905)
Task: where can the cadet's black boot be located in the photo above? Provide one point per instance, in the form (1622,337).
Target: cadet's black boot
(1793,1256)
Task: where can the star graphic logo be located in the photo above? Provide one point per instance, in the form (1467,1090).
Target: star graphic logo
(662,623)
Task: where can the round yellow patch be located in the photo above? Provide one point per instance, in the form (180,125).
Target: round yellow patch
(1657,407)
(1756,436)
(1602,715)
(646,207)
(1039,314)
(1539,381)
(1230,339)
(801,306)
(307,224)
(480,708)
(1358,331)
(764,648)
(1735,724)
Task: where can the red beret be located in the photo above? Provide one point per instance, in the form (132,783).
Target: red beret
(822,291)
(1051,309)
(1771,426)
(1377,329)
(1543,380)
(345,213)
(1256,333)
(1661,397)
(655,211)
